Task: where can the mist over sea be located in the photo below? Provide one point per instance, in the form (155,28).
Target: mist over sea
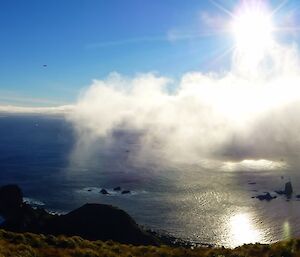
(196,201)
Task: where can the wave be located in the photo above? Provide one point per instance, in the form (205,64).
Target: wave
(33,202)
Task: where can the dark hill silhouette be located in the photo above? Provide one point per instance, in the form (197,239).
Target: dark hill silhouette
(99,221)
(91,221)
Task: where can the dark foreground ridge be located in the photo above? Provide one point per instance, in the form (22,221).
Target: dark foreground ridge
(32,245)
(91,221)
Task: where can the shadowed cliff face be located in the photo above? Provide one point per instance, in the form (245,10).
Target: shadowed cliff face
(11,200)
(91,221)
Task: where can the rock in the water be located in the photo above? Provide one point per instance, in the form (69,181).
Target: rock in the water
(266,197)
(117,189)
(280,192)
(126,192)
(288,189)
(104,191)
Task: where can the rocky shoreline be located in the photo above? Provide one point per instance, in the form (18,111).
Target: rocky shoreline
(90,221)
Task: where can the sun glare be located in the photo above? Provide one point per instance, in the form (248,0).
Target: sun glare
(243,230)
(252,28)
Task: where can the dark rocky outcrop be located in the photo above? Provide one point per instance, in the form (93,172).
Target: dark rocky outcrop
(11,202)
(267,197)
(104,191)
(11,199)
(288,190)
(279,192)
(91,221)
(126,192)
(117,188)
(99,221)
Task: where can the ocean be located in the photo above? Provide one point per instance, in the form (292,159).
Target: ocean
(190,201)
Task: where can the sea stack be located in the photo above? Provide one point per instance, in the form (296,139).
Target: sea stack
(288,189)
(104,191)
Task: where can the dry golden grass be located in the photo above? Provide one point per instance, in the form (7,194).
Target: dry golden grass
(31,245)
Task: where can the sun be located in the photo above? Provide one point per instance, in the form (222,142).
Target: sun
(252,28)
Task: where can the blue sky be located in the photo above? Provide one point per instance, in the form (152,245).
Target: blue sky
(81,40)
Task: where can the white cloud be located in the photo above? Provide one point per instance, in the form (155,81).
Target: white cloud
(60,110)
(226,117)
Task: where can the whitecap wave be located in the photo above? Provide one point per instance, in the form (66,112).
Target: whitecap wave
(33,202)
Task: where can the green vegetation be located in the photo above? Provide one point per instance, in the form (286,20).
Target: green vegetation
(32,245)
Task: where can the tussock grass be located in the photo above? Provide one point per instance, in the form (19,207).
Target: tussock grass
(32,245)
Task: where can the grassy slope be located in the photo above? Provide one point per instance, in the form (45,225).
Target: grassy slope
(27,244)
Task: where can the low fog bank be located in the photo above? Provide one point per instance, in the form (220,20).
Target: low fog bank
(245,113)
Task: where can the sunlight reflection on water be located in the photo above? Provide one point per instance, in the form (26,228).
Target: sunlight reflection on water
(243,230)
(254,165)
(286,230)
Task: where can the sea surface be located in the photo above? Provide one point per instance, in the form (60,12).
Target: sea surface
(203,205)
